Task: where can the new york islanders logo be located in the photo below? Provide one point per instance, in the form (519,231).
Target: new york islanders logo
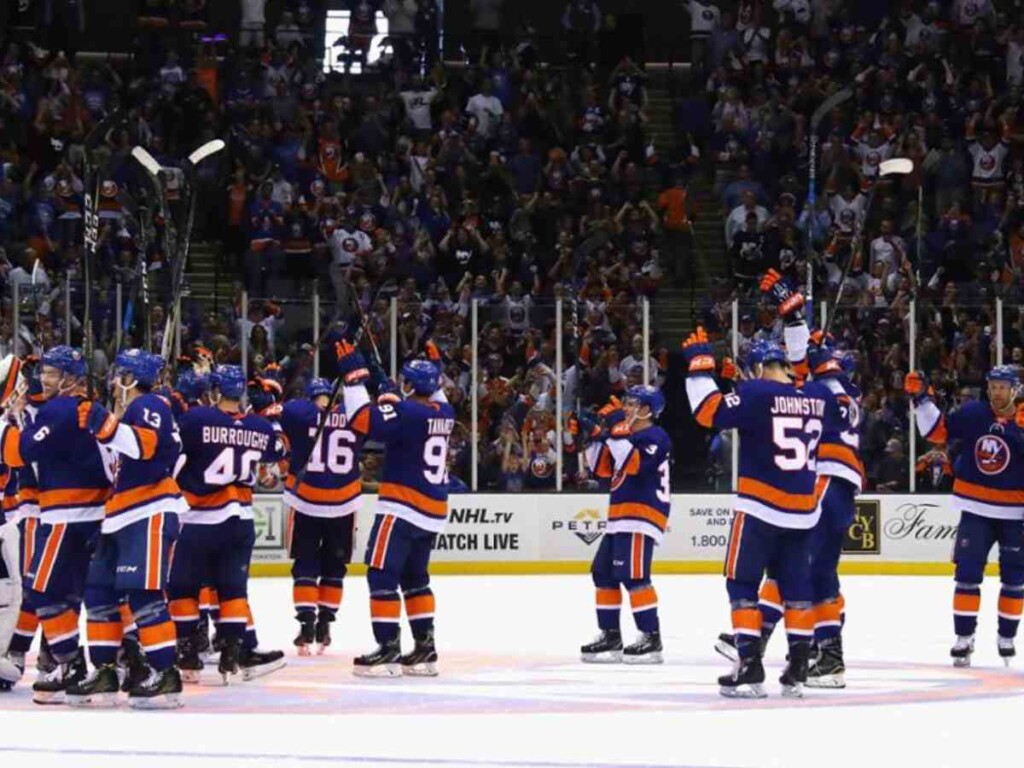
(991,454)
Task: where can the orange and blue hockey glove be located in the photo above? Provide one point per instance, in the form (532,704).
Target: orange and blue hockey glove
(93,417)
(916,385)
(700,358)
(789,302)
(351,363)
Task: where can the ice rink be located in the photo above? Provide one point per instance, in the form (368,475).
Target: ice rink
(513,693)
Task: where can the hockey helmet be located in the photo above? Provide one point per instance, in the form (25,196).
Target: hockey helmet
(229,381)
(422,375)
(649,396)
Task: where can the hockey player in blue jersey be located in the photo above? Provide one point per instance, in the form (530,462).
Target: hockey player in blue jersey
(133,556)
(74,475)
(635,454)
(11,384)
(988,492)
(223,447)
(412,506)
(322,503)
(776,505)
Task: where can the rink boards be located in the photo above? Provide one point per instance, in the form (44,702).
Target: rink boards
(537,533)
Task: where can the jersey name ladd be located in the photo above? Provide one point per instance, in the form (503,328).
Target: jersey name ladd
(240,438)
(797,406)
(440,426)
(336,420)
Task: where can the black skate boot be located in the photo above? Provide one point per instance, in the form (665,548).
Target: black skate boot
(323,633)
(306,637)
(795,674)
(646,649)
(201,637)
(606,648)
(422,662)
(99,688)
(826,669)
(1006,650)
(133,662)
(726,646)
(230,655)
(386,661)
(44,660)
(256,663)
(746,681)
(50,687)
(160,690)
(962,650)
(190,663)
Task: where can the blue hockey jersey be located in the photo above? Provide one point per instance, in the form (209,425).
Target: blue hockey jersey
(332,484)
(414,482)
(222,451)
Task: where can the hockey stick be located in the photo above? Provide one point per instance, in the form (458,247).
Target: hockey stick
(823,109)
(897,166)
(153,169)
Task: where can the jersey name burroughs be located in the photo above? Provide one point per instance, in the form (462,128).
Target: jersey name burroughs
(243,438)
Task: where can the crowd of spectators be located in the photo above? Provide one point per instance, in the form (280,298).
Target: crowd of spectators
(938,83)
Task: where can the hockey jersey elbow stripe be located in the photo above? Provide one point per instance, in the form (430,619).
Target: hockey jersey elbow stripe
(412,498)
(999,496)
(604,463)
(122,501)
(781,500)
(325,495)
(632,465)
(938,435)
(705,413)
(73,497)
(361,421)
(635,511)
(147,442)
(11,451)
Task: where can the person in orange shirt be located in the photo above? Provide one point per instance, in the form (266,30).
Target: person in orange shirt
(678,231)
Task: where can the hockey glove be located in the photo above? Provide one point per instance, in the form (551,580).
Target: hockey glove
(729,371)
(612,413)
(1019,415)
(916,385)
(351,364)
(93,417)
(790,303)
(700,358)
(588,425)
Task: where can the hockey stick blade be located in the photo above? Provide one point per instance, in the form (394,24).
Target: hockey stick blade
(209,148)
(828,105)
(897,166)
(146,160)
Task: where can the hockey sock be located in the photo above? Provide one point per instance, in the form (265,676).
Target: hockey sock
(185,613)
(103,630)
(419,609)
(250,641)
(305,595)
(746,627)
(828,619)
(24,630)
(157,634)
(644,601)
(770,605)
(128,620)
(60,625)
(213,603)
(842,609)
(234,617)
(1011,601)
(966,604)
(385,609)
(609,605)
(330,595)
(799,623)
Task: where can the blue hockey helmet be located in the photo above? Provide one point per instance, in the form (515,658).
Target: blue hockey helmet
(67,360)
(763,352)
(229,381)
(847,361)
(422,375)
(318,387)
(649,396)
(1007,373)
(141,365)
(191,385)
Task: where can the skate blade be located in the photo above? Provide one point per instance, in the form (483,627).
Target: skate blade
(654,657)
(48,697)
(749,691)
(378,670)
(607,657)
(167,701)
(322,649)
(962,663)
(93,701)
(225,677)
(210,657)
(303,650)
(727,651)
(426,669)
(191,676)
(826,681)
(253,673)
(795,691)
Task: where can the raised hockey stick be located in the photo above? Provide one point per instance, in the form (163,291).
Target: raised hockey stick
(897,166)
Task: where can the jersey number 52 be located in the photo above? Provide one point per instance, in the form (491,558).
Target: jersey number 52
(796,442)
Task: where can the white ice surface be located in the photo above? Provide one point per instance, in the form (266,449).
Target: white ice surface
(512,692)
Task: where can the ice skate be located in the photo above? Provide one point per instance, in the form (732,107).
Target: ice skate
(795,674)
(97,689)
(323,633)
(50,687)
(422,661)
(160,690)
(826,670)
(190,664)
(255,663)
(306,637)
(1006,650)
(746,681)
(645,650)
(230,656)
(962,650)
(132,666)
(386,661)
(606,648)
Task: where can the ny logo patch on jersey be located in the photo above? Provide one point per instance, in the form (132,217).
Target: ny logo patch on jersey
(991,454)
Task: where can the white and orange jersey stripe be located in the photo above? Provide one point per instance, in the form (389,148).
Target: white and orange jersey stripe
(128,506)
(213,508)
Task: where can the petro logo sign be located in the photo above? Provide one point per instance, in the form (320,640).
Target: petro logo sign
(863,537)
(587,525)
